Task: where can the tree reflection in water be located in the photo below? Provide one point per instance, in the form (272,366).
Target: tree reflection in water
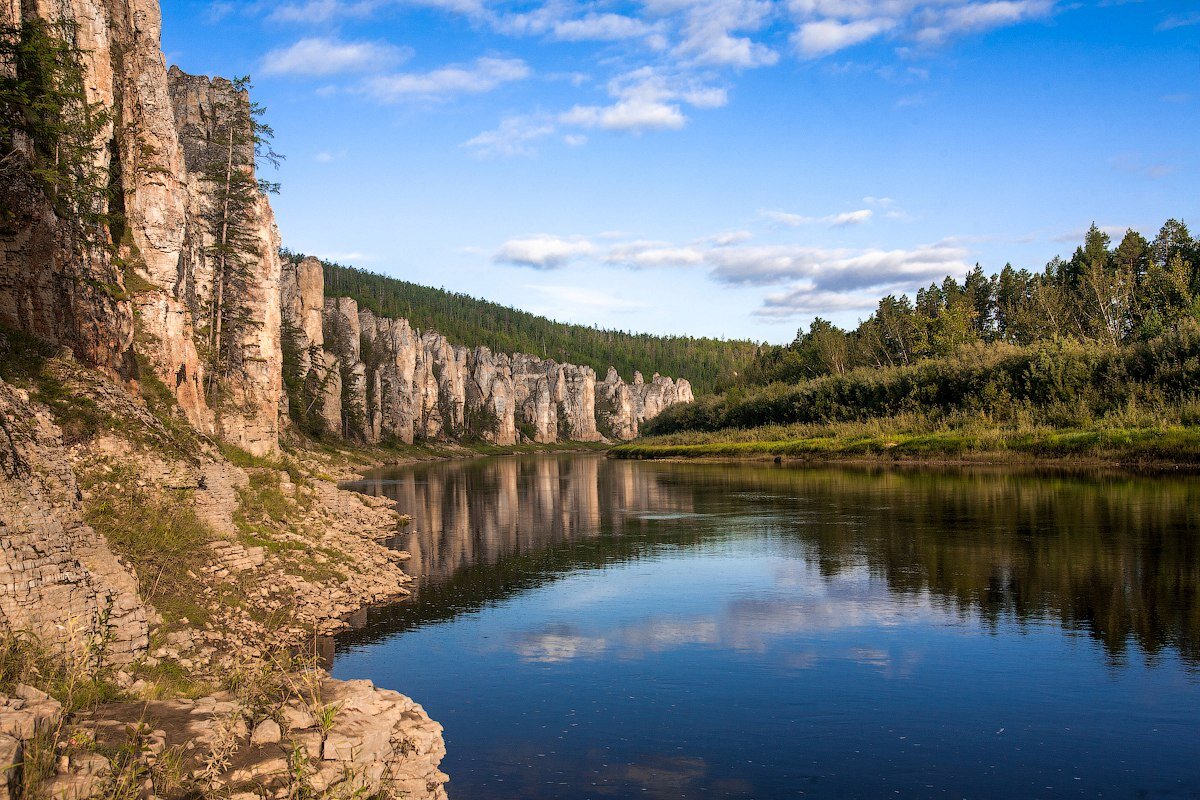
(1110,554)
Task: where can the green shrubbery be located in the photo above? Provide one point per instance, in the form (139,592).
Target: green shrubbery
(1061,383)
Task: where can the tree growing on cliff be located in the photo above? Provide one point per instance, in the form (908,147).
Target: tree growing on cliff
(239,142)
(48,128)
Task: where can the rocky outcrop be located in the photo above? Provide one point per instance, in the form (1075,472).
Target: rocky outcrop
(325,738)
(143,265)
(250,352)
(58,279)
(58,579)
(650,399)
(556,402)
(373,379)
(312,377)
(616,417)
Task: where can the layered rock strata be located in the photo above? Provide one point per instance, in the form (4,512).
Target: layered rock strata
(376,743)
(58,579)
(356,374)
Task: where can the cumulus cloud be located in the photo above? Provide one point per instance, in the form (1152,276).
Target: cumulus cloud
(820,38)
(601,27)
(838,270)
(806,300)
(543,251)
(645,99)
(484,75)
(317,56)
(829,26)
(840,220)
(644,254)
(707,34)
(514,137)
(727,238)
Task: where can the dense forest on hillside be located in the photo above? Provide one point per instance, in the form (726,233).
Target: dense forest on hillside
(1109,338)
(707,363)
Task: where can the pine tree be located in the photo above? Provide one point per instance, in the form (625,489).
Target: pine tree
(238,142)
(48,128)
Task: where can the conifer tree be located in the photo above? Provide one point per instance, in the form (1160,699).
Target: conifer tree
(238,143)
(48,128)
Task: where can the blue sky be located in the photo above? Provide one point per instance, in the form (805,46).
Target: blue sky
(725,168)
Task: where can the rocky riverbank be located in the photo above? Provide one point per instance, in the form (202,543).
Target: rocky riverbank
(154,589)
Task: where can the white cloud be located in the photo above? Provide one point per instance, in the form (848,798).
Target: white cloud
(728,237)
(707,33)
(318,56)
(1179,21)
(827,36)
(806,300)
(483,75)
(514,137)
(828,26)
(645,100)
(601,27)
(543,251)
(840,220)
(643,254)
(837,270)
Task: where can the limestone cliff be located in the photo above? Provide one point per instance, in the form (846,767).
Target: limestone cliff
(373,379)
(90,285)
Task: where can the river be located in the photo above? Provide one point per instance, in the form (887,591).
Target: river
(590,628)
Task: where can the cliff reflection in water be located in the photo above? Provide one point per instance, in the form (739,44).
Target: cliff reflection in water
(1112,555)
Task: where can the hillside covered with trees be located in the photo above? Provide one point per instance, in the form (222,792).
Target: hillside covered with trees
(1105,344)
(707,363)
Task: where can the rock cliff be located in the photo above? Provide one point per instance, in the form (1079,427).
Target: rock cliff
(138,280)
(353,373)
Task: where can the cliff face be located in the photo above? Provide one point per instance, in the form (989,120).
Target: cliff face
(90,286)
(250,374)
(355,374)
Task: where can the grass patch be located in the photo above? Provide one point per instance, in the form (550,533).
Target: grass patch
(160,535)
(903,439)
(31,364)
(75,675)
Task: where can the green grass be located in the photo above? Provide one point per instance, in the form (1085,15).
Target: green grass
(1178,444)
(160,535)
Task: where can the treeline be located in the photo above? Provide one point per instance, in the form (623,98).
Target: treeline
(1111,334)
(707,363)
(1105,295)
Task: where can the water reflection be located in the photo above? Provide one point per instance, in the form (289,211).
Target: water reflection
(1112,555)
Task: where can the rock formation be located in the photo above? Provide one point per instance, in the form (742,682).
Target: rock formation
(82,284)
(373,379)
(650,399)
(57,576)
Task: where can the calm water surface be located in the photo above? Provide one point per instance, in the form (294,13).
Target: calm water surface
(614,629)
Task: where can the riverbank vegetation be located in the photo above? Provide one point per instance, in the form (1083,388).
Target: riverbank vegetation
(1095,356)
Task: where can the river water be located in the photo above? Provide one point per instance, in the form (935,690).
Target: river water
(589,628)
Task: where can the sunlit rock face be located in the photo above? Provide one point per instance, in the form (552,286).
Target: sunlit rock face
(250,384)
(82,285)
(651,399)
(399,384)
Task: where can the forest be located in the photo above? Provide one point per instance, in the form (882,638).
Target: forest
(707,363)
(1108,339)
